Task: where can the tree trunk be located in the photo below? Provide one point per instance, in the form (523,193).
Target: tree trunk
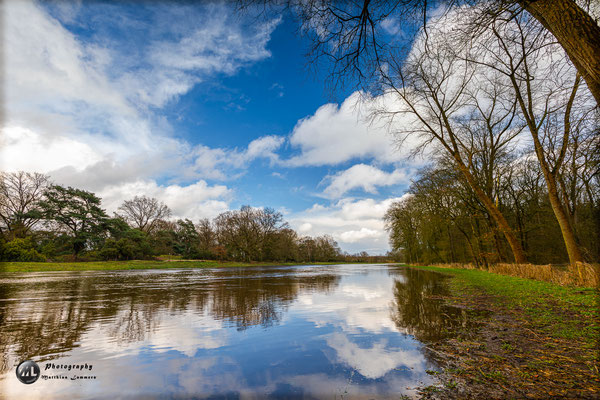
(564,222)
(503,225)
(577,33)
(562,217)
(452,257)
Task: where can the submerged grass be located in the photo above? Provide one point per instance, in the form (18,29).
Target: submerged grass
(540,339)
(134,264)
(562,311)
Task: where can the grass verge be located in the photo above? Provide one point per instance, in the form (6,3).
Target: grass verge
(568,312)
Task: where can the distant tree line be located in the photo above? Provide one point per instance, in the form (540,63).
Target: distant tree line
(41,221)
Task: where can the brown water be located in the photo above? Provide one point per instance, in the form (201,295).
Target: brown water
(343,331)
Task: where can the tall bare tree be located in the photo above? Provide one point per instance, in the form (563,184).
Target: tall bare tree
(355,35)
(467,115)
(144,213)
(20,193)
(548,90)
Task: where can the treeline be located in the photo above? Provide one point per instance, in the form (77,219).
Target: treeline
(442,221)
(516,171)
(40,221)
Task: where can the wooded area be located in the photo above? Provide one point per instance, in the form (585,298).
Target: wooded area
(41,221)
(515,172)
(500,97)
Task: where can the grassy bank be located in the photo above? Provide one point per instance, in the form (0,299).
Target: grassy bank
(539,340)
(568,312)
(135,264)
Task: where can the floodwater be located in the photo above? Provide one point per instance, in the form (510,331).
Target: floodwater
(341,331)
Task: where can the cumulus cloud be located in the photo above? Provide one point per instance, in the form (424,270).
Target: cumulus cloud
(194,201)
(215,163)
(336,134)
(355,236)
(24,149)
(376,361)
(362,176)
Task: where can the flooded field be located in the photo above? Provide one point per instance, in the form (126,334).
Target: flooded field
(341,331)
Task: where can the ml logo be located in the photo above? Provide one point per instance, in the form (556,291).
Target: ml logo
(28,372)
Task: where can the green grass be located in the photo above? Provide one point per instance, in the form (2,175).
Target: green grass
(135,264)
(559,311)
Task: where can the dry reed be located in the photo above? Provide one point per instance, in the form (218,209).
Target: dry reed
(580,274)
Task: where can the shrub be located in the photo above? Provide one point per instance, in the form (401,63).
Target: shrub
(21,250)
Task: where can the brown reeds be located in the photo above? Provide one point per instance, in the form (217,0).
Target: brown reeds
(580,274)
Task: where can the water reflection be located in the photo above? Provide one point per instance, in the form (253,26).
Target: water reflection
(419,309)
(326,331)
(47,313)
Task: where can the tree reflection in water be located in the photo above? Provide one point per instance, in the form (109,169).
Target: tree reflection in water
(419,310)
(44,315)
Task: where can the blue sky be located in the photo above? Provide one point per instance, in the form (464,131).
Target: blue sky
(199,106)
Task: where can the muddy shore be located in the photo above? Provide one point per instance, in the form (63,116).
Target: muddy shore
(529,340)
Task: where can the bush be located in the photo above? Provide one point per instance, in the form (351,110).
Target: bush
(109,253)
(21,250)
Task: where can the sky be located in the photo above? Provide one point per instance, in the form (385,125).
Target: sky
(202,107)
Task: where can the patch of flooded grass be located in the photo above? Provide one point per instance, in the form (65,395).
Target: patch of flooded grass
(559,311)
(538,339)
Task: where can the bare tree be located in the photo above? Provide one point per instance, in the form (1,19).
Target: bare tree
(450,105)
(249,233)
(547,89)
(355,35)
(144,213)
(206,234)
(20,193)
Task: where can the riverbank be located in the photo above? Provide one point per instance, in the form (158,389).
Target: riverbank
(535,340)
(135,264)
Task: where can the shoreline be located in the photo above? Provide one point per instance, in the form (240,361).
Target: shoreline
(144,264)
(534,339)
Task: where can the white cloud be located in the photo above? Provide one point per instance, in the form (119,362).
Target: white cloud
(356,225)
(82,110)
(305,227)
(335,134)
(61,87)
(24,149)
(195,201)
(359,305)
(47,66)
(217,163)
(263,147)
(356,236)
(220,44)
(362,176)
(376,361)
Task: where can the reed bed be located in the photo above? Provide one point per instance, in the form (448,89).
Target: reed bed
(580,274)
